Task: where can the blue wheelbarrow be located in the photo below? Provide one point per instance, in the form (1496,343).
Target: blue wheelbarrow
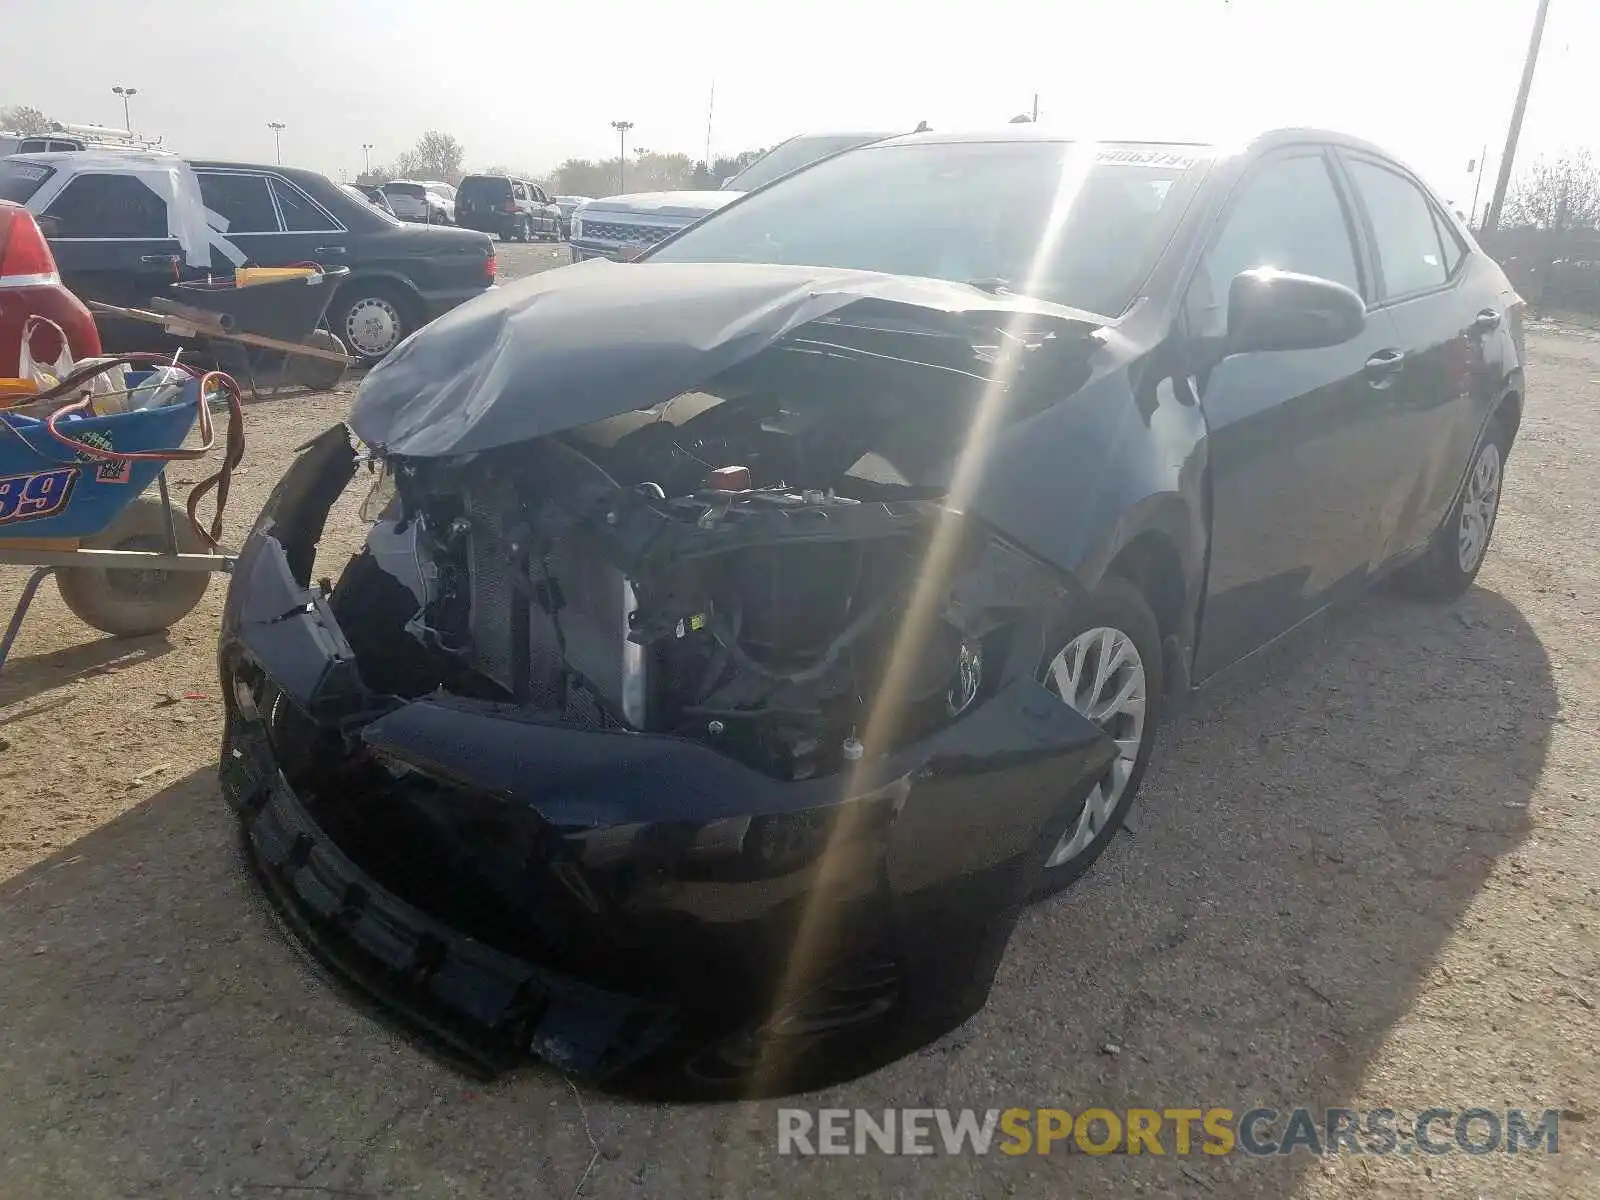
(126,561)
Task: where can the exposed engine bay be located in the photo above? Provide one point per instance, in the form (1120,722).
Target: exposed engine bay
(664,712)
(730,567)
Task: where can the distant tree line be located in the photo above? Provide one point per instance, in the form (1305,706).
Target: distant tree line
(1548,238)
(1556,193)
(438,155)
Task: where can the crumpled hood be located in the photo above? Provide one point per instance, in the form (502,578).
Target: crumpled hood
(585,342)
(663,204)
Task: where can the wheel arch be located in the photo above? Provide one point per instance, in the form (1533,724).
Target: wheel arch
(1508,411)
(379,275)
(1159,548)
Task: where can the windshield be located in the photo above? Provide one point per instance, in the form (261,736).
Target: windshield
(1074,223)
(791,156)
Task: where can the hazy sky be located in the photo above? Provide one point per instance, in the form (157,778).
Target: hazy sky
(529,84)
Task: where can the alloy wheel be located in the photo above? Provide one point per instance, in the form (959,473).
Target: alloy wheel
(1100,675)
(372,326)
(1478,506)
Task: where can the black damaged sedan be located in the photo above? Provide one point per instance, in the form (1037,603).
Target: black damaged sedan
(745,633)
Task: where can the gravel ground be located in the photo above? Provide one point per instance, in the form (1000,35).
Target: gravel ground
(1365,875)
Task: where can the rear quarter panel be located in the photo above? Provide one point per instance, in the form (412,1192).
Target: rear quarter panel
(433,261)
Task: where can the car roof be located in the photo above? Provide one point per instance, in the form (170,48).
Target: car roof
(1264,140)
(101,157)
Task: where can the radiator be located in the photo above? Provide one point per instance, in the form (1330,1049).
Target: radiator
(598,682)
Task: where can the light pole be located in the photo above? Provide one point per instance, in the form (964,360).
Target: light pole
(125,93)
(622,128)
(366,157)
(277,128)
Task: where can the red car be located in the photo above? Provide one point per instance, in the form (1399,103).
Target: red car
(31,286)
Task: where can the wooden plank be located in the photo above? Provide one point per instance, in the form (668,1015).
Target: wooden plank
(214,330)
(19,543)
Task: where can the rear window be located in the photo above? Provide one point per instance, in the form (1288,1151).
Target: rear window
(414,190)
(300,213)
(20,180)
(484,187)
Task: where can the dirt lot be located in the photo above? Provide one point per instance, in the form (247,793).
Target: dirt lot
(1365,876)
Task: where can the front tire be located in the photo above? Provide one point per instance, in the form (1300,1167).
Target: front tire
(1104,661)
(1460,545)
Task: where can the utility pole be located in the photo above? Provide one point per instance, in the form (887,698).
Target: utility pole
(622,128)
(711,107)
(277,128)
(1483,161)
(1036,108)
(366,157)
(1491,221)
(125,93)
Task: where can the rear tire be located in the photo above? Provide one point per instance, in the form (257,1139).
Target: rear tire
(133,603)
(372,318)
(1106,656)
(1461,543)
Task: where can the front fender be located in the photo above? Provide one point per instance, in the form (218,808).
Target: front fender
(1080,482)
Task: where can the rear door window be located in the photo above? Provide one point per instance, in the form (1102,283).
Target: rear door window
(20,180)
(243,201)
(300,213)
(1409,251)
(106,206)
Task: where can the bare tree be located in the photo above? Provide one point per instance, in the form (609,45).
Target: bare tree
(1557,194)
(23,118)
(438,156)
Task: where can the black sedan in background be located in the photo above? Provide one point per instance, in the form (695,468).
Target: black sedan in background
(123,227)
(745,633)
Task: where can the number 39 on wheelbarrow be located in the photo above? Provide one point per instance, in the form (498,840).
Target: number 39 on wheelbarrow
(76,499)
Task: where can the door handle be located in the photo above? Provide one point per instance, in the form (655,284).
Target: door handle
(329,250)
(165,260)
(1486,320)
(1383,366)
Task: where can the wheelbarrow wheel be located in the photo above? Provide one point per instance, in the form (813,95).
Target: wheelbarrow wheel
(128,603)
(319,374)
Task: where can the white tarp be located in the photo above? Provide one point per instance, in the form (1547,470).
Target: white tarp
(167,175)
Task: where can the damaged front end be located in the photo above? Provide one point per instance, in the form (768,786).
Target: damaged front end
(703,733)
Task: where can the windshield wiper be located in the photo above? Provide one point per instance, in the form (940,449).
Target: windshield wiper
(992,284)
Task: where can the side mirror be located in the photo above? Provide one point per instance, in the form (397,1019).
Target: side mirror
(1282,310)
